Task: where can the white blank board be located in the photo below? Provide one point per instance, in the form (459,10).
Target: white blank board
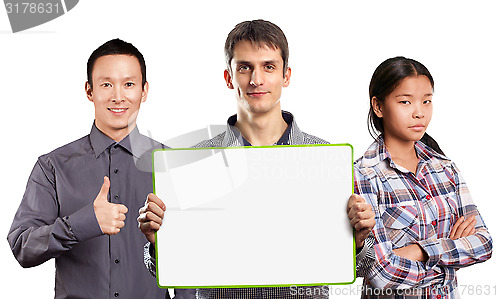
(254,216)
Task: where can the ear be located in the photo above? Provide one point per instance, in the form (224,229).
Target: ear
(88,91)
(229,80)
(286,78)
(145,91)
(377,107)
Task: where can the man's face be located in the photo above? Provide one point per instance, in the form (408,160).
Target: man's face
(117,94)
(256,75)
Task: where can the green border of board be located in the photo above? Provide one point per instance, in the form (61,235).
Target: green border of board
(257,286)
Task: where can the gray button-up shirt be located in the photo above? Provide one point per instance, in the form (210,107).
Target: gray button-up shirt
(56,217)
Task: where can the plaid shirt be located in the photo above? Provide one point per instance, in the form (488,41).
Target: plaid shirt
(292,136)
(418,209)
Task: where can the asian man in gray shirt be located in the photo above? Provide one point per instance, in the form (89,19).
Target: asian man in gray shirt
(77,197)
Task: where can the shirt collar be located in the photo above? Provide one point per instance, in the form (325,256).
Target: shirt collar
(292,135)
(134,143)
(377,152)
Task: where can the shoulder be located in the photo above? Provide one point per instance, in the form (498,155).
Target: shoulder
(49,162)
(363,169)
(371,158)
(213,142)
(154,144)
(311,139)
(435,160)
(78,147)
(144,148)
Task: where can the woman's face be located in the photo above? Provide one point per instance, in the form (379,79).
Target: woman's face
(407,111)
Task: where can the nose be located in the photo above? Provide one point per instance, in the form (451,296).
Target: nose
(418,113)
(118,95)
(257,78)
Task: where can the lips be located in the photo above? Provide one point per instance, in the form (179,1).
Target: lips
(118,111)
(257,93)
(418,127)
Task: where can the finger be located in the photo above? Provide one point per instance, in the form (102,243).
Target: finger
(366,212)
(455,227)
(463,226)
(151,217)
(121,208)
(351,212)
(468,230)
(149,227)
(354,198)
(367,215)
(121,217)
(103,193)
(119,224)
(362,225)
(153,198)
(113,231)
(357,208)
(155,209)
(142,218)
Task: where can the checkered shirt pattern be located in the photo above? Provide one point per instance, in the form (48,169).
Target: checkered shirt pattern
(230,138)
(418,209)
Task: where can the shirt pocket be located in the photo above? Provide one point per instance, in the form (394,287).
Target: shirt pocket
(402,224)
(445,214)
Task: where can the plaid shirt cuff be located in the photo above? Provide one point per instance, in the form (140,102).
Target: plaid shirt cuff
(433,249)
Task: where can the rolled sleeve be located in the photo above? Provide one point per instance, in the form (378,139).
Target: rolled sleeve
(37,232)
(83,224)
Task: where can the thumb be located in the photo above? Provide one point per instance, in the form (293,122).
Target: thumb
(103,193)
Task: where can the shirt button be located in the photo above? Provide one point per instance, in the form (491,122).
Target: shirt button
(116,170)
(117,261)
(117,196)
(438,296)
(428,197)
(117,294)
(434,222)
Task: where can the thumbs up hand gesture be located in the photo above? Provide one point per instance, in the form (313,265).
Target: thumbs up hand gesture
(110,216)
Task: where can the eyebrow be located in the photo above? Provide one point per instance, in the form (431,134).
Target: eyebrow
(107,78)
(271,61)
(410,95)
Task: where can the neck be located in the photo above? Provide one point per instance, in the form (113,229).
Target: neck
(402,152)
(261,128)
(116,135)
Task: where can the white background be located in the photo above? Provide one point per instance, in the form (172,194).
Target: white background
(334,49)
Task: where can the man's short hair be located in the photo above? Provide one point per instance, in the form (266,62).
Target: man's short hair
(257,32)
(115,47)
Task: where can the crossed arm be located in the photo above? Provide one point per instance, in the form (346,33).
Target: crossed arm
(431,261)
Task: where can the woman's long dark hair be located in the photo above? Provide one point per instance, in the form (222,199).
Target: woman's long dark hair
(385,79)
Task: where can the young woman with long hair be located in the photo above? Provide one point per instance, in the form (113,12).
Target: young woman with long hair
(427,226)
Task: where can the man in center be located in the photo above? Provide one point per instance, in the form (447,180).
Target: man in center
(257,70)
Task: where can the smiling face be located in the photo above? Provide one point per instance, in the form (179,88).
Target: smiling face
(117,94)
(257,77)
(407,111)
